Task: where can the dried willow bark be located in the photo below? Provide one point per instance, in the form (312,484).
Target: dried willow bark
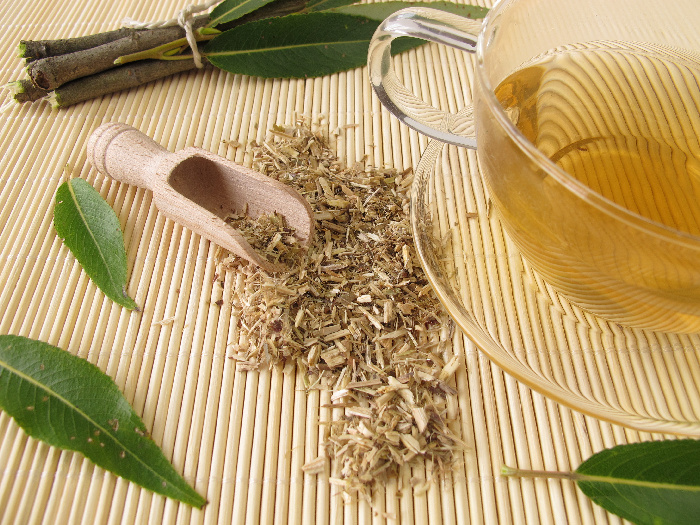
(356,313)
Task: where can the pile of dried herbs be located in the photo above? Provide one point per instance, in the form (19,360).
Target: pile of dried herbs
(270,236)
(355,311)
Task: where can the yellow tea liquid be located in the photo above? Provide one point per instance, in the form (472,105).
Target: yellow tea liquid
(622,118)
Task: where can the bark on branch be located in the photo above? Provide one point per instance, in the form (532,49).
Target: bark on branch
(116,79)
(54,71)
(76,69)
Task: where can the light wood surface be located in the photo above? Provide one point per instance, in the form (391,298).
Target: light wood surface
(239,437)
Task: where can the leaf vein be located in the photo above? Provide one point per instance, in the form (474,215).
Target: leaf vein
(101,428)
(283,48)
(635,482)
(91,234)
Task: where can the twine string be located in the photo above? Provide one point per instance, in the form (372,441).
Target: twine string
(184,19)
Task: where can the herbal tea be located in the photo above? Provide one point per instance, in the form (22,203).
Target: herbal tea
(622,118)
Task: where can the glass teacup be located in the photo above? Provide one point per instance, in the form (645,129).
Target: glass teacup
(586,120)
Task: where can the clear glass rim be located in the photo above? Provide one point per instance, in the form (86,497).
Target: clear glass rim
(488,97)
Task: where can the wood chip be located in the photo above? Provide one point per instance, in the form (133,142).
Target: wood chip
(420,416)
(411,443)
(359,412)
(334,357)
(315,466)
(364,384)
(450,368)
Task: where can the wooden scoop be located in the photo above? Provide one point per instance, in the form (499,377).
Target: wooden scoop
(198,189)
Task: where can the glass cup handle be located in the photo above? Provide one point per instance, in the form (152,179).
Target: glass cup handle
(436,26)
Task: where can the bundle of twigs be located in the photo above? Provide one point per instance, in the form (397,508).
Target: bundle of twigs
(68,71)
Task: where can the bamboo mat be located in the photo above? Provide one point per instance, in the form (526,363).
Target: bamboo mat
(239,437)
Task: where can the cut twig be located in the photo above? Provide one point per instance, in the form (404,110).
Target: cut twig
(32,50)
(78,66)
(117,79)
(54,71)
(25,91)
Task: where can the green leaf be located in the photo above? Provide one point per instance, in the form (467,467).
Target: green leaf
(381,10)
(646,483)
(322,5)
(91,230)
(69,403)
(230,10)
(297,46)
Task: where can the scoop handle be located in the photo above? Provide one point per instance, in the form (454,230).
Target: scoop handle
(125,154)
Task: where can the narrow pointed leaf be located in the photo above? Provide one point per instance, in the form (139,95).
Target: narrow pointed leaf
(646,483)
(297,46)
(233,9)
(69,403)
(381,10)
(91,231)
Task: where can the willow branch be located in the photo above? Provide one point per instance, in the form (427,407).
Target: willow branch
(79,68)
(166,51)
(36,49)
(116,79)
(52,72)
(25,91)
(32,50)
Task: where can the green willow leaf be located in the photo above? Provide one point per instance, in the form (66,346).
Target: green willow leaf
(91,231)
(322,5)
(646,483)
(297,46)
(381,10)
(69,403)
(231,10)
